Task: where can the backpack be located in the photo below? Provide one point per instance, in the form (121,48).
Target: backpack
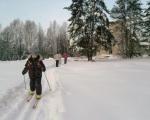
(34,63)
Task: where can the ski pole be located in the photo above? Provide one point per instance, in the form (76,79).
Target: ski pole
(47,81)
(24,82)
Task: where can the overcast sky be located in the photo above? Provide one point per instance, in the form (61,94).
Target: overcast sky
(41,11)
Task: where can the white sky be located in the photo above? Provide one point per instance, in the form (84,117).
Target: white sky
(41,11)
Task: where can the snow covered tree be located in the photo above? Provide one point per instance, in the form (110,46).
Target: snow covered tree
(129,13)
(62,39)
(76,20)
(147,26)
(76,26)
(1,45)
(30,30)
(134,25)
(0,42)
(40,40)
(0,28)
(119,12)
(52,34)
(5,46)
(17,38)
(89,25)
(96,25)
(13,36)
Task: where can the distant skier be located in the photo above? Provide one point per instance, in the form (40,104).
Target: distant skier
(65,56)
(34,66)
(57,57)
(60,56)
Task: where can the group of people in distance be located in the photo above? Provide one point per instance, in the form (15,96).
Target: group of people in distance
(35,66)
(58,57)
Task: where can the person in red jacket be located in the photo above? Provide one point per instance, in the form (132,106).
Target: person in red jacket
(34,66)
(65,55)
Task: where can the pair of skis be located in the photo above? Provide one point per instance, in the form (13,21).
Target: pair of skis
(35,102)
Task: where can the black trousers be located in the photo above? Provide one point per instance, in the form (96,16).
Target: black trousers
(35,84)
(57,63)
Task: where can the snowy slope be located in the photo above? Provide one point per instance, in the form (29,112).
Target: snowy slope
(107,90)
(13,105)
(103,90)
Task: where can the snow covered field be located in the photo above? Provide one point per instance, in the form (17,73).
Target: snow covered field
(106,90)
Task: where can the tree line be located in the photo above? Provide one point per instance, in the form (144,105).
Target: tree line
(89,26)
(19,39)
(88,31)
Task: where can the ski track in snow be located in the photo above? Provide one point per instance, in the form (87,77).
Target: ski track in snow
(15,106)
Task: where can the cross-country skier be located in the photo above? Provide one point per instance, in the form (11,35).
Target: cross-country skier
(34,66)
(57,57)
(65,55)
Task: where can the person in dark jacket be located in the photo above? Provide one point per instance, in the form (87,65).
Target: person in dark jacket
(34,66)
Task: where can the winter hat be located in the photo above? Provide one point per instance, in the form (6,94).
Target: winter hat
(33,55)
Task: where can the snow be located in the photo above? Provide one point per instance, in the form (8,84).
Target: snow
(13,103)
(107,90)
(10,75)
(97,14)
(81,90)
(144,43)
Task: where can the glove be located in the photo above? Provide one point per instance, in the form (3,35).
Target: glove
(24,71)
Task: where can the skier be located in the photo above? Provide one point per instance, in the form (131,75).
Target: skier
(57,57)
(65,55)
(34,66)
(60,56)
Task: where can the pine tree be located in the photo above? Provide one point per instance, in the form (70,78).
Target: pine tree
(119,13)
(134,12)
(147,26)
(76,22)
(89,25)
(129,13)
(95,19)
